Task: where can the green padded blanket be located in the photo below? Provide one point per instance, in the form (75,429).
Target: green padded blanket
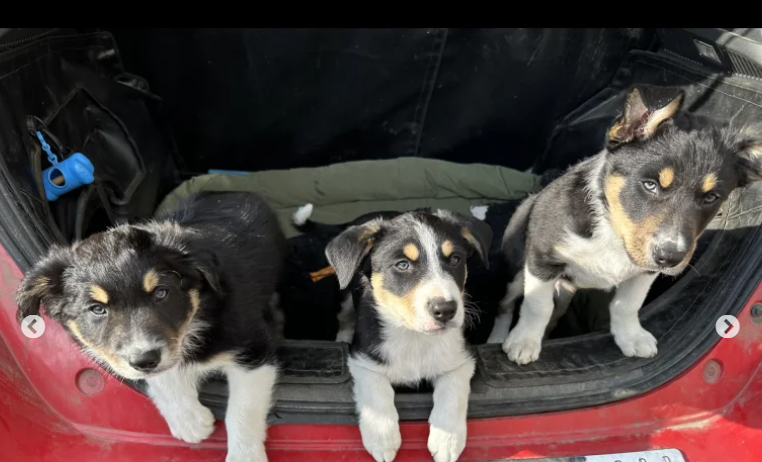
(341,192)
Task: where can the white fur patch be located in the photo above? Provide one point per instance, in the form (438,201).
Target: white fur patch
(302,214)
(250,400)
(628,334)
(413,356)
(479,211)
(436,280)
(175,394)
(600,262)
(524,343)
(346,319)
(374,399)
(447,435)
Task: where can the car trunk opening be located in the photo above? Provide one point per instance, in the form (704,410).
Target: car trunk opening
(362,120)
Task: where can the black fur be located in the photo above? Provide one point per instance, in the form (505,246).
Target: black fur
(368,337)
(227,246)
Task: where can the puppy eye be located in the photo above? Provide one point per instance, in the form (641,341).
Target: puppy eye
(650,186)
(402,265)
(97,310)
(161,293)
(711,197)
(454,260)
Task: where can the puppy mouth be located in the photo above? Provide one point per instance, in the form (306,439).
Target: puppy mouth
(436,328)
(654,267)
(675,270)
(671,270)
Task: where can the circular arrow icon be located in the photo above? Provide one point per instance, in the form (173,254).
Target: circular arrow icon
(727,326)
(33,326)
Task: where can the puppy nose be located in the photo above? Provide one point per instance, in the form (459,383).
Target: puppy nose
(668,256)
(145,361)
(442,310)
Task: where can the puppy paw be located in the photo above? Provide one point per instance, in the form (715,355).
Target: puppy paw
(381,441)
(639,344)
(522,349)
(192,424)
(446,446)
(345,335)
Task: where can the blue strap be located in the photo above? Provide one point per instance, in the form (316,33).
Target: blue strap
(52,158)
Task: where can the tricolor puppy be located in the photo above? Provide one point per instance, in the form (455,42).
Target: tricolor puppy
(301,219)
(346,313)
(622,217)
(407,275)
(173,300)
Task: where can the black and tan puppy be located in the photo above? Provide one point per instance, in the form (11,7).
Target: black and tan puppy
(408,275)
(173,300)
(302,222)
(622,217)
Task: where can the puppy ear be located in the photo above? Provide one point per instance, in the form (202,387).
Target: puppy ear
(749,151)
(44,284)
(187,259)
(346,251)
(139,238)
(201,264)
(476,232)
(645,108)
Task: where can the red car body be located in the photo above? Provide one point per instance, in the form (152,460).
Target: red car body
(57,405)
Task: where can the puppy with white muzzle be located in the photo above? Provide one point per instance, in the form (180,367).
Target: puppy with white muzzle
(173,300)
(620,218)
(407,276)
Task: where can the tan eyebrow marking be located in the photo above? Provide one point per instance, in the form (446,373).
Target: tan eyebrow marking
(150,281)
(447,248)
(666,177)
(710,181)
(98,294)
(411,252)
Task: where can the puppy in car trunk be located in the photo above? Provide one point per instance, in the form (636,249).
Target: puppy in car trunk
(622,217)
(407,277)
(172,301)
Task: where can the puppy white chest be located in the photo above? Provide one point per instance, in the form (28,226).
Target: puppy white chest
(412,356)
(600,262)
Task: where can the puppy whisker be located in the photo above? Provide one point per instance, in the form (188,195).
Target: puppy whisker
(694,269)
(473,312)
